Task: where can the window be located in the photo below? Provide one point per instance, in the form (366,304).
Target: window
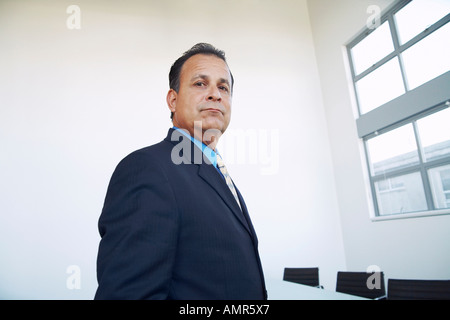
(428,58)
(403,159)
(388,83)
(401,81)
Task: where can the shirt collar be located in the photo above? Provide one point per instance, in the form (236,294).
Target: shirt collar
(207,151)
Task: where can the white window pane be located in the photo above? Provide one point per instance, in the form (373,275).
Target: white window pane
(372,49)
(434,132)
(428,58)
(380,86)
(440,186)
(401,194)
(418,15)
(393,150)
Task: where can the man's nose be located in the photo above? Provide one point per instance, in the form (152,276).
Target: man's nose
(214,94)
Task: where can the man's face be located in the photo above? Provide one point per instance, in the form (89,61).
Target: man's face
(204,95)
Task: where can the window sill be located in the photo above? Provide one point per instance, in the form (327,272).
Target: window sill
(411,215)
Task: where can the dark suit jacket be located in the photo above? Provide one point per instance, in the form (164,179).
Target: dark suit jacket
(173,231)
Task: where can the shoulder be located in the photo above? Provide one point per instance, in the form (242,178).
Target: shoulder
(142,163)
(159,152)
(154,153)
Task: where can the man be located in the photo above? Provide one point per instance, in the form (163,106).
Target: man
(173,225)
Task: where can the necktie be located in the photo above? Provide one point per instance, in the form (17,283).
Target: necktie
(227,177)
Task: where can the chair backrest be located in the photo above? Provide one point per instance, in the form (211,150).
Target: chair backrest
(404,289)
(306,276)
(362,284)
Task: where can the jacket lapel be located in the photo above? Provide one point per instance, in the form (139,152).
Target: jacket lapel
(247,217)
(208,173)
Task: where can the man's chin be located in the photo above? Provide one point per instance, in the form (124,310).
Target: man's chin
(213,125)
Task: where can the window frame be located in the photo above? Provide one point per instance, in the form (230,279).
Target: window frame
(428,98)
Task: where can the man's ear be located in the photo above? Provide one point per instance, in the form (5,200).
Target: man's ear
(172,100)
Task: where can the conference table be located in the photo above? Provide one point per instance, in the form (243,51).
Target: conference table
(284,290)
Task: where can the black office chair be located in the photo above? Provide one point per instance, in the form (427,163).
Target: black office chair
(356,283)
(305,276)
(404,289)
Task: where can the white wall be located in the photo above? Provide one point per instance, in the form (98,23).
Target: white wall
(74,102)
(407,248)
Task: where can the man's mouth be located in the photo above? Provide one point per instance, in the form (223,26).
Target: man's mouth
(213,109)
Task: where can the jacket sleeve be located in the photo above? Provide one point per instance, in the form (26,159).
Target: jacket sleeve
(138,228)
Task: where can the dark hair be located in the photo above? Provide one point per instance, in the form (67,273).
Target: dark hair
(199,48)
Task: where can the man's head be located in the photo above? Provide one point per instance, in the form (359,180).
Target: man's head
(201,87)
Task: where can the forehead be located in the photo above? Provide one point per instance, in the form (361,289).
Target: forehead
(208,65)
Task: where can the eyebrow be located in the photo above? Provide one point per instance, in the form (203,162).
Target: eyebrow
(205,77)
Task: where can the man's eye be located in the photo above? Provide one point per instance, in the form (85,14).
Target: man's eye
(199,84)
(224,88)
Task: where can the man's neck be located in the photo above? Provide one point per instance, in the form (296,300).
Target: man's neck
(208,137)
